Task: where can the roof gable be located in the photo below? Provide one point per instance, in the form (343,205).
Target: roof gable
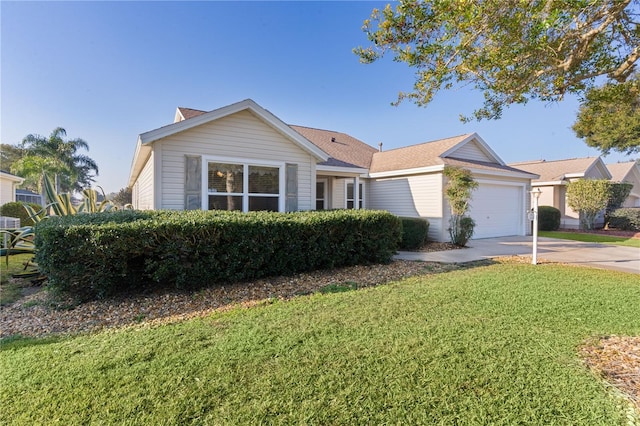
(247,104)
(559,170)
(621,172)
(469,146)
(197,118)
(183,113)
(473,148)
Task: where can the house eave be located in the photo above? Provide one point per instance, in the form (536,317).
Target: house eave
(574,175)
(504,173)
(342,171)
(140,158)
(12,178)
(549,183)
(415,171)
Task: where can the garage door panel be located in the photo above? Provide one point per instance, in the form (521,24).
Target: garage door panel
(497,210)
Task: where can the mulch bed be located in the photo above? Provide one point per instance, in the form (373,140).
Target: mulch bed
(39,314)
(617,360)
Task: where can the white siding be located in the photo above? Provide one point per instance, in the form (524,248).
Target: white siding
(471,151)
(411,196)
(143,188)
(547,196)
(338,196)
(7,191)
(631,201)
(596,172)
(241,135)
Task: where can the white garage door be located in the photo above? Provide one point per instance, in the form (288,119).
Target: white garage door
(498,210)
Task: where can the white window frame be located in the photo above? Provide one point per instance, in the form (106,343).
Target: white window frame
(361,193)
(324,199)
(245,163)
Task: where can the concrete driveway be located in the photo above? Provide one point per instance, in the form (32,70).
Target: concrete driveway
(604,256)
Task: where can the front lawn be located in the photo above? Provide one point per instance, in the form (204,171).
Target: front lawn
(11,290)
(492,345)
(592,238)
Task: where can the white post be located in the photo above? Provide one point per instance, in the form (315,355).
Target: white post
(536,195)
(356,192)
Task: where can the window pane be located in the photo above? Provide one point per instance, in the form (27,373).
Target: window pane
(225,177)
(264,180)
(319,195)
(225,202)
(350,191)
(349,204)
(263,203)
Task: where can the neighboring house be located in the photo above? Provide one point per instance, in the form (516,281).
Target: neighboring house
(627,172)
(242,157)
(553,180)
(8,184)
(27,196)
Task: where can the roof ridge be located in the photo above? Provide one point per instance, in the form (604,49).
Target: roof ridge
(621,162)
(427,142)
(192,109)
(323,130)
(542,161)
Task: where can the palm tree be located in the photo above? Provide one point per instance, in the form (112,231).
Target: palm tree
(73,171)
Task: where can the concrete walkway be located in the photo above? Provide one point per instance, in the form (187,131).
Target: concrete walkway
(605,256)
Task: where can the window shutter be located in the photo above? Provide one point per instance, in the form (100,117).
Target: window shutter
(291,176)
(193,182)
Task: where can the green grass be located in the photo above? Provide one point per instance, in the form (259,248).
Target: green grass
(592,238)
(492,345)
(10,292)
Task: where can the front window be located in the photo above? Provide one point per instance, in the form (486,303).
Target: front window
(350,195)
(243,187)
(264,188)
(321,194)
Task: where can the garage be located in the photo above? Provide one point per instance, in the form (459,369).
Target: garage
(498,210)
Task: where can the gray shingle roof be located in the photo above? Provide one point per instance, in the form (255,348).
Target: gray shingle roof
(414,156)
(551,171)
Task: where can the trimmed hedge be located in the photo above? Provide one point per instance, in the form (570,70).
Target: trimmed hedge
(16,209)
(626,219)
(548,218)
(414,232)
(98,255)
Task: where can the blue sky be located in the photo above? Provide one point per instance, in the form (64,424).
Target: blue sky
(108,71)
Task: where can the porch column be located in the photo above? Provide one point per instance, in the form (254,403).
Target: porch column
(356,192)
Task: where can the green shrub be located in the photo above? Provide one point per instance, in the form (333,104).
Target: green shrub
(464,230)
(16,209)
(626,219)
(548,218)
(97,255)
(414,232)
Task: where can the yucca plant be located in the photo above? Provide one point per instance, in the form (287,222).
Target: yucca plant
(90,202)
(62,205)
(20,241)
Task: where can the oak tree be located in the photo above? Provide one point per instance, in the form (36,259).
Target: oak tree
(511,50)
(609,117)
